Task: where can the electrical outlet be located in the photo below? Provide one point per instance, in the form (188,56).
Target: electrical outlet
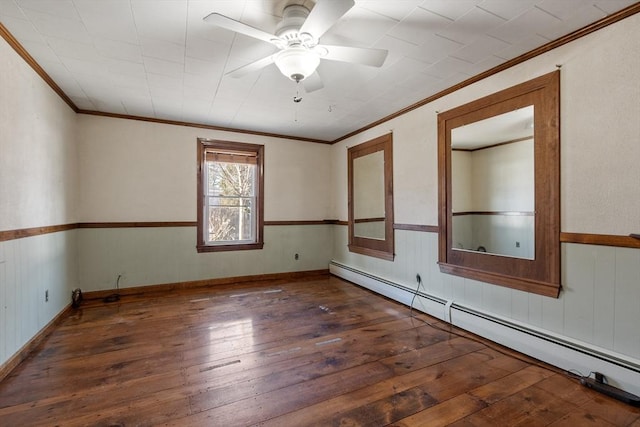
(418,278)
(296,257)
(517,244)
(46,295)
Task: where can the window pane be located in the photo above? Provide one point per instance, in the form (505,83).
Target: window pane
(231,219)
(231,179)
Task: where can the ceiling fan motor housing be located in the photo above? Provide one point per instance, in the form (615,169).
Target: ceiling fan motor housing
(293,17)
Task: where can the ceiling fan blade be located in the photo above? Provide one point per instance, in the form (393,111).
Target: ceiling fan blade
(357,55)
(312,82)
(251,67)
(239,27)
(323,15)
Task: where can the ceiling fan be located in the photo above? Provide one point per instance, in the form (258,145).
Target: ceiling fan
(297,38)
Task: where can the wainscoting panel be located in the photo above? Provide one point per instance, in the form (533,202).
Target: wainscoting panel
(157,255)
(28,268)
(598,307)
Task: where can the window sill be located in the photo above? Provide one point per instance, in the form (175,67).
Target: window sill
(223,248)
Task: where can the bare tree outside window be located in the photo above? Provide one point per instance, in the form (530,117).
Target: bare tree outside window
(231,191)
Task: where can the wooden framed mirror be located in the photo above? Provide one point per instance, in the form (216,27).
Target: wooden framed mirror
(370,174)
(499,187)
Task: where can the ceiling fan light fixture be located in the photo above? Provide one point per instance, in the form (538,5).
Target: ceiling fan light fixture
(297,62)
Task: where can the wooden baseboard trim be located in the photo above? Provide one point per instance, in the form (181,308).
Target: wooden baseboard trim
(23,353)
(167,287)
(601,239)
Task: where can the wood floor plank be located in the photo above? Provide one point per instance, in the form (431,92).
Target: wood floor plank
(264,406)
(530,406)
(509,385)
(282,353)
(445,413)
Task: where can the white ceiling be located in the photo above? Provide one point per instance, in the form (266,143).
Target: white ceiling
(158,59)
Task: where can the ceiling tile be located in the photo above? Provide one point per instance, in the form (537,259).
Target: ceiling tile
(521,47)
(207,50)
(435,48)
(118,50)
(165,68)
(397,49)
(450,9)
(163,81)
(574,21)
(480,49)
(198,66)
(55,26)
(470,26)
(10,9)
(111,19)
(485,64)
(137,106)
(447,67)
(564,9)
(612,6)
(55,8)
(74,49)
(395,10)
(88,67)
(166,22)
(131,87)
(125,69)
(419,81)
(168,51)
(419,26)
(507,9)
(203,82)
(534,21)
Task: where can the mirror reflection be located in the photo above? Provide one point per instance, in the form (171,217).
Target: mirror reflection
(368,196)
(493,185)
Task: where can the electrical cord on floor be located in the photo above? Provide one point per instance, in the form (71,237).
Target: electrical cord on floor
(569,374)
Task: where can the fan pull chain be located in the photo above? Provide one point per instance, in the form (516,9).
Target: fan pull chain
(296,100)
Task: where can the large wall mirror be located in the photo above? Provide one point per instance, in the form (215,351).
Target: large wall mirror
(370,176)
(499,180)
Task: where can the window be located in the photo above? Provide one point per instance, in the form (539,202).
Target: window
(230,202)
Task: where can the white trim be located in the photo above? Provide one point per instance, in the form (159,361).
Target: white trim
(621,371)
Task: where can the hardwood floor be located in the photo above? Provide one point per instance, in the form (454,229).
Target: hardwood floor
(306,353)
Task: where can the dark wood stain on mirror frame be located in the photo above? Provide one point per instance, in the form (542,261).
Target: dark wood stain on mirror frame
(373,247)
(540,275)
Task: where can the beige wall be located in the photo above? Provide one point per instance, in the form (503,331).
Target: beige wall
(38,174)
(142,171)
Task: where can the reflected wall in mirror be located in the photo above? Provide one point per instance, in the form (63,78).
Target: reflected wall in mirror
(499,187)
(492,182)
(371,198)
(368,199)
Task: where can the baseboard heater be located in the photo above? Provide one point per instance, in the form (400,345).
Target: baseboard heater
(566,353)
